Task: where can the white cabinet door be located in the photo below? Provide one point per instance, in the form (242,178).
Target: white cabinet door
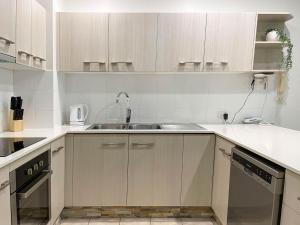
(154,171)
(221,177)
(230,41)
(23,32)
(132,42)
(83,41)
(100,170)
(5,214)
(289,216)
(38,41)
(198,165)
(7,26)
(57,178)
(180,43)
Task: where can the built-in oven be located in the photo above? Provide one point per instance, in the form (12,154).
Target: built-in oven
(30,192)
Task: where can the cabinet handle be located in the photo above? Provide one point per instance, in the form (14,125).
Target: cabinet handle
(57,150)
(41,59)
(298,198)
(24,53)
(143,145)
(185,62)
(89,62)
(113,144)
(222,62)
(7,41)
(116,62)
(4,185)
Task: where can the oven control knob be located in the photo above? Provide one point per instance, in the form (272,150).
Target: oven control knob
(29,172)
(41,163)
(36,167)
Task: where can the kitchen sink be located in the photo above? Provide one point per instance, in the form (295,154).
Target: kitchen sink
(145,126)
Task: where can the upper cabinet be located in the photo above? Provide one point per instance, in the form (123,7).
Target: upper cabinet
(180,43)
(7,26)
(31,34)
(83,42)
(230,39)
(132,42)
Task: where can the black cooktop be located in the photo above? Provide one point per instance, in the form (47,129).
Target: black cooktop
(10,145)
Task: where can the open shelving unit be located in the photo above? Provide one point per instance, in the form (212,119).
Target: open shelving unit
(268,54)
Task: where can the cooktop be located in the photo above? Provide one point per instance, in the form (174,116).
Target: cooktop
(10,145)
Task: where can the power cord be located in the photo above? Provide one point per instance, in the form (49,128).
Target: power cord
(245,101)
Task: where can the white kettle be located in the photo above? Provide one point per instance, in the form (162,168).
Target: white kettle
(78,114)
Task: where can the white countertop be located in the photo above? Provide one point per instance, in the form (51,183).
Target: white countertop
(279,145)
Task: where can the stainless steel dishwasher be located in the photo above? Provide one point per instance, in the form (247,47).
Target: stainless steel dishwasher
(255,193)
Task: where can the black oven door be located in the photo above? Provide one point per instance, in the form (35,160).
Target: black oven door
(31,205)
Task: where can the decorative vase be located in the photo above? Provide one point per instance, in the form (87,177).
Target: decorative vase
(272,36)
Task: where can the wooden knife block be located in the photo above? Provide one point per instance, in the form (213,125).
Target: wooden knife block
(14,125)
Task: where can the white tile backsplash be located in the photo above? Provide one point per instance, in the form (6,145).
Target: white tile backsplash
(169,98)
(6,91)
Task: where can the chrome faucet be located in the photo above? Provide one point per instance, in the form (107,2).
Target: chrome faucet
(128,110)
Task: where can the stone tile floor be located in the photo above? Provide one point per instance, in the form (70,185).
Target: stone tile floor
(138,221)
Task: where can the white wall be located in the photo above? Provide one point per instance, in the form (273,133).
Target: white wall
(184,98)
(6,91)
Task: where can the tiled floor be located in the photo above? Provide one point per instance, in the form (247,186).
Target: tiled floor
(138,221)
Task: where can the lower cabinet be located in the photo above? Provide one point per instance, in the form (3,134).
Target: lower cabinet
(57,178)
(100,169)
(5,214)
(197,174)
(154,171)
(221,179)
(289,216)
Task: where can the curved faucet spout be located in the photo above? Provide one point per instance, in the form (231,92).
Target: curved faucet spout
(128,110)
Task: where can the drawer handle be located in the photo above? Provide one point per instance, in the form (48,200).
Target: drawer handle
(216,63)
(113,144)
(143,145)
(7,41)
(185,62)
(90,62)
(224,152)
(4,185)
(57,150)
(126,62)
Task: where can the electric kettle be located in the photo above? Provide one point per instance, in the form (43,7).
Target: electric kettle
(78,114)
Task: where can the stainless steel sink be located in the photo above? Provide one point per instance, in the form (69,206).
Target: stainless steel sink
(145,126)
(108,126)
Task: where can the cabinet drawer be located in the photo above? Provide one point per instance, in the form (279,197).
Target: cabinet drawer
(224,145)
(291,195)
(289,216)
(58,145)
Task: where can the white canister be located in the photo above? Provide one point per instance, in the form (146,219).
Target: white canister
(272,36)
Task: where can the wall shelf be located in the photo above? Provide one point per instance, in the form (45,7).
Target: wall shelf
(269,44)
(274,17)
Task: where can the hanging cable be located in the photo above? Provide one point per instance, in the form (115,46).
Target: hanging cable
(245,101)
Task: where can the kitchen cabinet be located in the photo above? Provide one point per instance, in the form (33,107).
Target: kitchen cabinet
(5,214)
(69,154)
(291,199)
(221,178)
(289,216)
(7,26)
(31,34)
(180,42)
(198,165)
(100,170)
(83,42)
(230,42)
(24,32)
(57,178)
(132,42)
(38,34)
(154,170)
